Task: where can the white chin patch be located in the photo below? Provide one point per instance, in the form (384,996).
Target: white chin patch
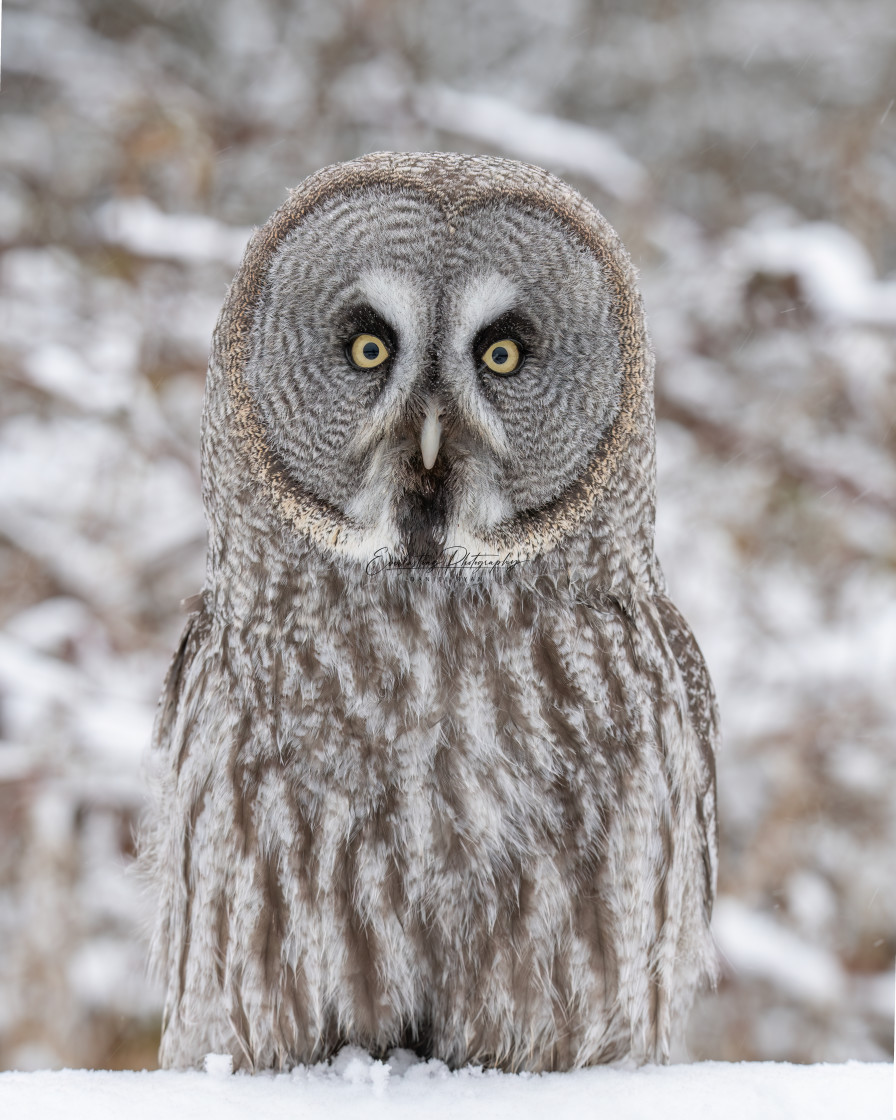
(371,509)
(478,515)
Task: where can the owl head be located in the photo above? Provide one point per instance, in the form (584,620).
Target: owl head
(429,356)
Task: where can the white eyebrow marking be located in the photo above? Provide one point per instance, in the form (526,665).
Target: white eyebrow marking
(402,303)
(397,298)
(485,296)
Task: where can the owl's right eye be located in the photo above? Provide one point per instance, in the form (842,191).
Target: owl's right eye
(367,351)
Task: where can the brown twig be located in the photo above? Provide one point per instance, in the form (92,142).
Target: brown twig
(728,441)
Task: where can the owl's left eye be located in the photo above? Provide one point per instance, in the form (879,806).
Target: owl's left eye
(503,356)
(367,351)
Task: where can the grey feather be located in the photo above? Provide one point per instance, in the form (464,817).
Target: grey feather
(468,810)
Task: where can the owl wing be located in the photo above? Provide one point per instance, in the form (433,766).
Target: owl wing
(191,640)
(704,715)
(701,695)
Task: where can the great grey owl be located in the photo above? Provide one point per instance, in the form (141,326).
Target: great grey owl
(434,761)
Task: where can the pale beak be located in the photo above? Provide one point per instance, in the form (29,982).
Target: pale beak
(430,437)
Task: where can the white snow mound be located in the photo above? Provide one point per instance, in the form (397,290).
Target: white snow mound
(355,1087)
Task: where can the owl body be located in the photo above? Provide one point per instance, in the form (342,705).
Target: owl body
(434,761)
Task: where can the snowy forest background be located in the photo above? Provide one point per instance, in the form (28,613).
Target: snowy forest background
(746,152)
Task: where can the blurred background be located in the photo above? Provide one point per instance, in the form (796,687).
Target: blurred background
(746,152)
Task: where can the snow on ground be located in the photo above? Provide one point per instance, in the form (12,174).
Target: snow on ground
(355,1086)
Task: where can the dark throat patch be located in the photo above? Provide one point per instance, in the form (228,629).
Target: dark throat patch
(423,513)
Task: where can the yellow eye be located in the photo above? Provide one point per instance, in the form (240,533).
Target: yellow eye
(368,351)
(503,356)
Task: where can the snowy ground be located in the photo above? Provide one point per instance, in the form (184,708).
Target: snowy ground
(356,1088)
